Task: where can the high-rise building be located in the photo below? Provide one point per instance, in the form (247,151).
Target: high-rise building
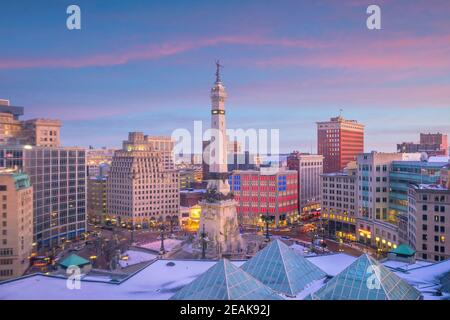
(429,207)
(97,199)
(161,144)
(98,161)
(445,176)
(191,177)
(434,144)
(309,168)
(34,132)
(339,141)
(265,193)
(402,175)
(58,177)
(41,132)
(142,186)
(339,203)
(376,224)
(16,237)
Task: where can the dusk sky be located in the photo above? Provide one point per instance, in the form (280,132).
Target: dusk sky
(149,65)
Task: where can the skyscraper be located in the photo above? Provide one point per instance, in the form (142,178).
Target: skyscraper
(309,167)
(339,141)
(16,205)
(433,144)
(58,177)
(376,224)
(35,132)
(141,187)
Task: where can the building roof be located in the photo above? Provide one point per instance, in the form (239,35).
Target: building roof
(435,187)
(403,250)
(283,270)
(73,260)
(225,281)
(366,279)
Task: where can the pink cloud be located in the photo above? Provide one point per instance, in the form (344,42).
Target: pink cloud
(153,51)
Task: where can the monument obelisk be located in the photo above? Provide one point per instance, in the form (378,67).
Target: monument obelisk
(219,216)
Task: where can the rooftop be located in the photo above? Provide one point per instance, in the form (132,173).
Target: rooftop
(225,281)
(73,260)
(429,279)
(437,187)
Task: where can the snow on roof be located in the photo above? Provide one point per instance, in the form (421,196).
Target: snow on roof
(157,281)
(404,266)
(439,159)
(428,275)
(134,257)
(334,263)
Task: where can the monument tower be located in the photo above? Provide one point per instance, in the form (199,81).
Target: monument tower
(219,216)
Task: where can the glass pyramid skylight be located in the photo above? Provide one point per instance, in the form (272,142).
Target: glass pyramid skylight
(366,279)
(283,270)
(225,281)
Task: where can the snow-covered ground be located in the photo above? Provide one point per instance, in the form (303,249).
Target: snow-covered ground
(169,244)
(135,257)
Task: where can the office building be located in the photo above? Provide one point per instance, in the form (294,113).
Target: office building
(58,177)
(265,193)
(377,226)
(433,144)
(97,199)
(98,161)
(402,175)
(16,228)
(429,207)
(339,203)
(34,132)
(339,141)
(142,186)
(309,167)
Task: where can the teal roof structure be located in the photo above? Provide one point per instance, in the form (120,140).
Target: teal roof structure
(283,270)
(73,260)
(225,281)
(404,250)
(366,279)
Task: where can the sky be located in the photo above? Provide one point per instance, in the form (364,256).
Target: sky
(149,65)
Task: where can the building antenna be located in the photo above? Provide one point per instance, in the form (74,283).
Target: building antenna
(340,112)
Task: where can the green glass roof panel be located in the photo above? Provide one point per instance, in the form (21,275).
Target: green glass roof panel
(366,279)
(74,260)
(404,250)
(283,270)
(225,281)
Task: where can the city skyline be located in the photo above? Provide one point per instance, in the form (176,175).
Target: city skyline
(147,67)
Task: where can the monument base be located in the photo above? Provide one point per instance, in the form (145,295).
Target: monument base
(221,226)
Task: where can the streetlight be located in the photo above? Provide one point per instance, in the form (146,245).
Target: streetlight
(267,239)
(203,235)
(162,228)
